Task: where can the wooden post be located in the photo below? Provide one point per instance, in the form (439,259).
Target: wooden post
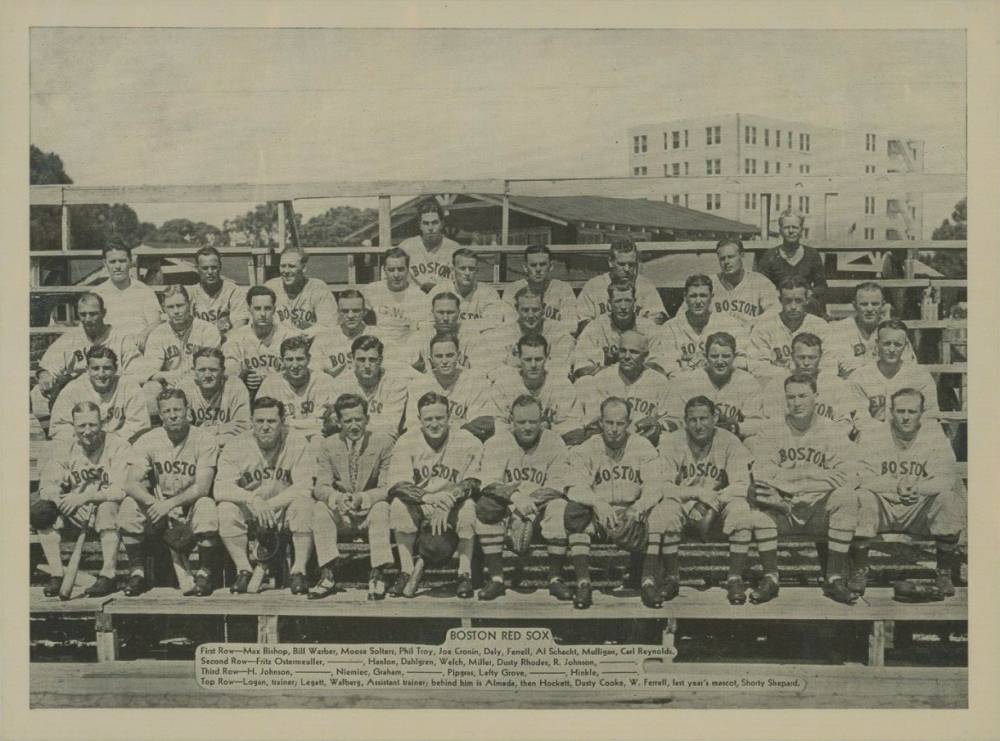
(876,644)
(669,633)
(293,228)
(282,238)
(505,220)
(267,629)
(385,222)
(107,637)
(466,622)
(352,270)
(36,272)
(765,215)
(65,228)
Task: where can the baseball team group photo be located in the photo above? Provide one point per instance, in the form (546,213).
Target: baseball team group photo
(716,401)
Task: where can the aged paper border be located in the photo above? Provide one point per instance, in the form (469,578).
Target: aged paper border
(980,18)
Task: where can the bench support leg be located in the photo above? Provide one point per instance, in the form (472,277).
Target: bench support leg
(267,629)
(466,622)
(877,643)
(669,631)
(107,638)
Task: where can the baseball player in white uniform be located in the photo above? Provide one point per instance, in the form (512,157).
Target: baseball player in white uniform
(219,404)
(853,341)
(399,304)
(302,302)
(771,337)
(430,253)
(557,296)
(215,299)
(131,306)
(305,393)
(481,306)
(331,348)
(253,352)
(384,389)
(599,341)
(742,294)
(623,267)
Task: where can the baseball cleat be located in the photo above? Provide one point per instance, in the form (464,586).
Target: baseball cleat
(584,596)
(944,583)
(102,587)
(649,593)
(324,588)
(51,588)
(242,583)
(560,590)
(492,590)
(464,588)
(837,591)
(376,584)
(766,591)
(298,583)
(671,588)
(135,585)
(400,584)
(858,582)
(736,590)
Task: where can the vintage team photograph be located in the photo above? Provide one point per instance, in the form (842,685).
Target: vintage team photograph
(474,368)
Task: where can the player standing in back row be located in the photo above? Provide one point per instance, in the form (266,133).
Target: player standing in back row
(792,259)
(301,302)
(623,267)
(430,254)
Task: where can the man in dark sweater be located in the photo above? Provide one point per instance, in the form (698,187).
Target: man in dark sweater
(791,258)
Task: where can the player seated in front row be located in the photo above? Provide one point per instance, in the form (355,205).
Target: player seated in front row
(169,486)
(805,483)
(433,475)
(265,478)
(525,469)
(352,469)
(79,477)
(608,475)
(910,484)
(704,474)
(219,403)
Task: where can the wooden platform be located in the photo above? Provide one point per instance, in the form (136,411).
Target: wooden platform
(172,684)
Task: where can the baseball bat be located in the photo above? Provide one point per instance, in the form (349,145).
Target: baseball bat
(257,578)
(69,578)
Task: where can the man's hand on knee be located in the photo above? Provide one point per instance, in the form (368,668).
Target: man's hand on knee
(439,521)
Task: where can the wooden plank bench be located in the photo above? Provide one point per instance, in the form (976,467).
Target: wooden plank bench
(877,607)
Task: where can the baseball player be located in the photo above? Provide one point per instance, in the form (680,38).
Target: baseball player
(734,392)
(853,341)
(623,267)
(398,304)
(683,337)
(645,390)
(170,481)
(445,319)
(331,348)
(876,381)
(467,391)
(444,466)
(130,306)
(385,390)
(557,396)
(254,352)
(804,482)
(910,484)
(305,393)
(215,299)
(607,477)
(835,400)
(705,469)
(530,320)
(65,359)
(85,472)
(430,254)
(525,467)
(301,302)
(120,399)
(171,346)
(740,293)
(557,296)
(599,341)
(480,304)
(219,404)
(352,469)
(266,477)
(771,337)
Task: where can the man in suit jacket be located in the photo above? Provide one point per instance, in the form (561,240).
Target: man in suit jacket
(350,493)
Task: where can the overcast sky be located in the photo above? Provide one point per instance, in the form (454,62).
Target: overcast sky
(180,106)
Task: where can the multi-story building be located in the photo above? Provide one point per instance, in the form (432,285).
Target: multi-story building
(739,144)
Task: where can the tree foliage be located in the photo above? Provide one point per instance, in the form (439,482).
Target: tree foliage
(197,234)
(951,263)
(331,227)
(257,228)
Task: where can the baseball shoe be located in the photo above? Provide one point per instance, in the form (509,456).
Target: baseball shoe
(399,586)
(560,590)
(298,584)
(242,583)
(324,588)
(51,588)
(376,584)
(858,582)
(202,586)
(671,588)
(102,587)
(135,585)
(464,588)
(649,593)
(492,590)
(766,591)
(944,583)
(837,591)
(736,590)
(410,590)
(584,596)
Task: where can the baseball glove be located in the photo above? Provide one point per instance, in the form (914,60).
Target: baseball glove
(649,428)
(703,518)
(482,427)
(268,542)
(437,550)
(520,533)
(912,591)
(407,491)
(630,533)
(43,514)
(491,509)
(179,537)
(541,497)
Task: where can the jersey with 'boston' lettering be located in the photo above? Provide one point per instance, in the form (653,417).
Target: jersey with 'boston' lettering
(246,471)
(747,302)
(311,306)
(171,466)
(70,470)
(545,465)
(415,461)
(304,406)
(229,302)
(597,474)
(558,397)
(226,413)
(173,353)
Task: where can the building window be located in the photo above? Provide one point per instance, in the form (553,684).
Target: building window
(777,138)
(753,200)
(869,142)
(638,170)
(804,204)
(687,169)
(677,199)
(666,170)
(767,137)
(777,167)
(677,169)
(718,135)
(746,134)
(789,139)
(746,201)
(767,167)
(869,233)
(805,232)
(802,141)
(666,140)
(718,167)
(808,142)
(685,138)
(713,167)
(718,202)
(805,169)
(708,135)
(870,169)
(642,143)
(685,200)
(708,201)
(869,204)
(753,134)
(749,167)
(677,139)
(635,144)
